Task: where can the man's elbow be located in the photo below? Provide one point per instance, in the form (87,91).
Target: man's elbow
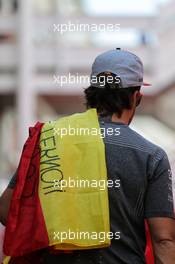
(164,250)
(166,242)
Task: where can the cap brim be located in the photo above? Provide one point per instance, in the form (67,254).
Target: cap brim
(146,84)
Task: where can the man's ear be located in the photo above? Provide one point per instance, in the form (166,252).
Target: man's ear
(134,98)
(138,96)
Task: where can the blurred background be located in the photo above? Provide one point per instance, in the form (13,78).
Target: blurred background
(33,53)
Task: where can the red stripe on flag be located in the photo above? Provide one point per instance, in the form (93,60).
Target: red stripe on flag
(149,250)
(26,230)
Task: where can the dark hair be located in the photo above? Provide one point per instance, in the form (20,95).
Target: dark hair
(108,101)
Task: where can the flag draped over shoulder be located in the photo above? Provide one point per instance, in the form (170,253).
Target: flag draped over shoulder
(39,211)
(40,208)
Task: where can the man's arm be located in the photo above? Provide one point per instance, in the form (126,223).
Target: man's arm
(5,204)
(159,209)
(162,231)
(5,199)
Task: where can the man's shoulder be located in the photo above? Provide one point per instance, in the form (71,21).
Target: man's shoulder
(146,144)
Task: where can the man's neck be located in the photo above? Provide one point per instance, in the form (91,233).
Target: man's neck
(125,118)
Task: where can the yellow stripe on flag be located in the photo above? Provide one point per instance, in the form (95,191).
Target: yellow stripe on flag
(79,214)
(6,260)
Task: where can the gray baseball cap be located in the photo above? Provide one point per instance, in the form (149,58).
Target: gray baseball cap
(124,64)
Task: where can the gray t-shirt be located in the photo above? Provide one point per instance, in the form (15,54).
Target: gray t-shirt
(145,191)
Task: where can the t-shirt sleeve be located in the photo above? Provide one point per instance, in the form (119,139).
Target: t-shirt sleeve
(159,195)
(12,182)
